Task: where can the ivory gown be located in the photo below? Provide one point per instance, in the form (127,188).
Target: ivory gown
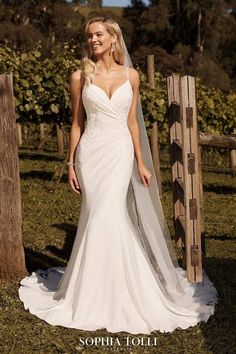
(108,282)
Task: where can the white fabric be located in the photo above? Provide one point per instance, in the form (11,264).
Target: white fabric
(110,280)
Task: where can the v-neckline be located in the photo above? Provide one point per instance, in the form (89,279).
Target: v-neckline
(110,98)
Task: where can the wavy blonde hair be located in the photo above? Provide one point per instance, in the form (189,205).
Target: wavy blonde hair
(88,65)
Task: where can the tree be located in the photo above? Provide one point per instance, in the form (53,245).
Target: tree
(192,32)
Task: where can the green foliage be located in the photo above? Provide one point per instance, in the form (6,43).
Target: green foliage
(190,37)
(195,37)
(154,104)
(40,84)
(42,93)
(216,110)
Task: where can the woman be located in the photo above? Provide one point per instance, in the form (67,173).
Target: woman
(123,274)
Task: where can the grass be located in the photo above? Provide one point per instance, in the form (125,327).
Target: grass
(50,219)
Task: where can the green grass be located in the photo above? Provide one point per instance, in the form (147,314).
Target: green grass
(50,219)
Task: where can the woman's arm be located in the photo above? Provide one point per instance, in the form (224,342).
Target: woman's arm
(78,112)
(77,124)
(132,120)
(145,174)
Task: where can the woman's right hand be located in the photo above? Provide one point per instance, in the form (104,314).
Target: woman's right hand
(72,179)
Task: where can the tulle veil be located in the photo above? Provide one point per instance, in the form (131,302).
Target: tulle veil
(152,233)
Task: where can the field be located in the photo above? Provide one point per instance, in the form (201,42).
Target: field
(50,219)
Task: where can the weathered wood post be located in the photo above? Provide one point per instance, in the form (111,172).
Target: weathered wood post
(154,133)
(41,132)
(188,111)
(185,166)
(19,134)
(233,160)
(11,244)
(60,140)
(175,134)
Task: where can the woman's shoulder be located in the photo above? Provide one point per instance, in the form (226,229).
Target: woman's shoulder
(133,75)
(76,75)
(76,78)
(133,72)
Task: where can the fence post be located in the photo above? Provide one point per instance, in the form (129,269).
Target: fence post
(19,134)
(185,168)
(60,140)
(191,179)
(233,161)
(175,135)
(154,132)
(12,256)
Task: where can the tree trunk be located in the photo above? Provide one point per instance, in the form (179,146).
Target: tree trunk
(199,37)
(11,247)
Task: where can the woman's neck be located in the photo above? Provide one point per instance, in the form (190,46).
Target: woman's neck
(106,66)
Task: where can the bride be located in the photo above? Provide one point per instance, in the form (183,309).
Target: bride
(123,273)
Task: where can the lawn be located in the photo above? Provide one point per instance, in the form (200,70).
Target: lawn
(50,218)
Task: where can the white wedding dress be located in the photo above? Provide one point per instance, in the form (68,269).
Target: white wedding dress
(108,282)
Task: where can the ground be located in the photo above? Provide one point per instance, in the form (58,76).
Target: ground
(49,224)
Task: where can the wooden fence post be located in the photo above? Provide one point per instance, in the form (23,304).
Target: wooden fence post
(42,131)
(233,161)
(185,168)
(154,133)
(12,256)
(60,140)
(175,134)
(191,179)
(19,134)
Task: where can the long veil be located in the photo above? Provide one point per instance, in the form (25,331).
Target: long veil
(146,213)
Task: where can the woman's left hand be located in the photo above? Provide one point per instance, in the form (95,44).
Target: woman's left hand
(145,175)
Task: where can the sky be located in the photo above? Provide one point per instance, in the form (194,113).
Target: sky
(119,2)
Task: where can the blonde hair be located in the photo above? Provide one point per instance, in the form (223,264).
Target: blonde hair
(88,65)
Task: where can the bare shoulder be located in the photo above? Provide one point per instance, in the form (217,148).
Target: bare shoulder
(76,79)
(134,76)
(76,75)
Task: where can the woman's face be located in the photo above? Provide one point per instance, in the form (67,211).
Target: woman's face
(98,39)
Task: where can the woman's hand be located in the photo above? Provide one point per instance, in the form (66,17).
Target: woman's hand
(72,179)
(145,175)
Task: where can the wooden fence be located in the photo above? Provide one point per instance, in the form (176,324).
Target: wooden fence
(185,153)
(186,171)
(185,144)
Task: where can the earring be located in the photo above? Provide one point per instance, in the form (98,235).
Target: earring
(113,47)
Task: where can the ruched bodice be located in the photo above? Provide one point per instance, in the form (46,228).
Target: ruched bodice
(102,111)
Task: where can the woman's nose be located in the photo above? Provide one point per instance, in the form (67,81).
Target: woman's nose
(93,38)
